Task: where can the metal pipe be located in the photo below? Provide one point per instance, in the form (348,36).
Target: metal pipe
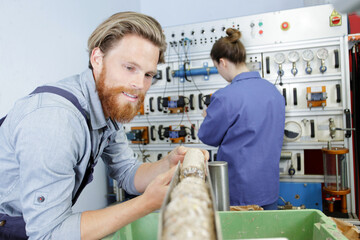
(218,171)
(206,71)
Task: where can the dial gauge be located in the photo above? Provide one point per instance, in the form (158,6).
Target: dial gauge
(322,53)
(279,58)
(308,55)
(292,131)
(293,56)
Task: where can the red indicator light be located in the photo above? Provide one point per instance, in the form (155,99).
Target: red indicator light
(336,20)
(285,26)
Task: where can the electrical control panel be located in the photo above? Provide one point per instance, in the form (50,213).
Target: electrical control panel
(299,51)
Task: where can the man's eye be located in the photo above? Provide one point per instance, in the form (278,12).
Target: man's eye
(129,68)
(149,75)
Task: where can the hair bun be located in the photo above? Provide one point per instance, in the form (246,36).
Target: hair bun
(233,34)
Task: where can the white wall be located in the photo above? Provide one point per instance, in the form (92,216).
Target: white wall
(44,41)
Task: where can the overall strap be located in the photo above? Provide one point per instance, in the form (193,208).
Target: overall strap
(61,92)
(14,227)
(2,120)
(88,176)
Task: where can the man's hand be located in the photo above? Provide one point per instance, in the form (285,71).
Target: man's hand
(97,224)
(157,189)
(178,154)
(149,171)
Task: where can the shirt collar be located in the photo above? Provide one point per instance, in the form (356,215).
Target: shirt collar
(88,87)
(245,75)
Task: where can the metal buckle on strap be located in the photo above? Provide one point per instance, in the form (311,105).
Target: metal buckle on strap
(2,223)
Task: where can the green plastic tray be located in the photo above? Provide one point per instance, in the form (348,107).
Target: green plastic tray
(291,224)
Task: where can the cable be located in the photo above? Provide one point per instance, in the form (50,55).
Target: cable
(185,72)
(192,125)
(145,157)
(202,99)
(277,79)
(147,119)
(178,57)
(196,86)
(182,117)
(184,109)
(187,60)
(166,76)
(140,148)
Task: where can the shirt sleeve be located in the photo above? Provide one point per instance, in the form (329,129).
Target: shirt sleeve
(121,161)
(49,143)
(216,122)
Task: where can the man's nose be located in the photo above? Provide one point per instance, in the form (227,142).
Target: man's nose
(138,82)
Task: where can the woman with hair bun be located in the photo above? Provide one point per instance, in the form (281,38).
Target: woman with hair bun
(246,121)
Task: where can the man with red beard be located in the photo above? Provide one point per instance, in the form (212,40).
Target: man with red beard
(51,140)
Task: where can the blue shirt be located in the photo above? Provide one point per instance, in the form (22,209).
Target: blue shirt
(45,145)
(246,120)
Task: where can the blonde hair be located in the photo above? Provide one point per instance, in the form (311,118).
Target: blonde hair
(118,25)
(229,47)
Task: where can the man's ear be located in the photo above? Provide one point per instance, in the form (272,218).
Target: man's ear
(96,60)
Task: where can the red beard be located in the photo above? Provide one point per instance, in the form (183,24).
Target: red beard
(112,107)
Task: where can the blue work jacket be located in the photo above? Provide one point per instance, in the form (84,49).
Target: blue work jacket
(246,120)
